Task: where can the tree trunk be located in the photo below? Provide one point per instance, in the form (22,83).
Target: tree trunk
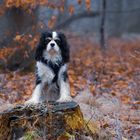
(48,121)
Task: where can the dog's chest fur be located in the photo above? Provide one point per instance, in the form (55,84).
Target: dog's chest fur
(50,91)
(45,73)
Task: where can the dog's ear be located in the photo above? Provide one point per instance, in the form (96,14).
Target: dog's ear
(40,48)
(64,48)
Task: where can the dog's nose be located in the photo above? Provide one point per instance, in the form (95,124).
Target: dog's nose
(52,45)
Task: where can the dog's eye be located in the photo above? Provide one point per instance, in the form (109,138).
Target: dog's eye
(47,40)
(58,41)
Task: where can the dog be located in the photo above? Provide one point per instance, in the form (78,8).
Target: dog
(52,57)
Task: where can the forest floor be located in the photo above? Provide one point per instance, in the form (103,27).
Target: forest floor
(106,82)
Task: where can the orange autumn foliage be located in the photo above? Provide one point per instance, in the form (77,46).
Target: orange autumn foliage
(32,4)
(71,9)
(24,3)
(88,4)
(52,22)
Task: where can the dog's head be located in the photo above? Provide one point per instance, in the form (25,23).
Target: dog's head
(53,47)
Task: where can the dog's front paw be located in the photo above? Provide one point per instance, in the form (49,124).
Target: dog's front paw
(65,99)
(31,102)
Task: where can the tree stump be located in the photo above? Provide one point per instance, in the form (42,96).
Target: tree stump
(49,121)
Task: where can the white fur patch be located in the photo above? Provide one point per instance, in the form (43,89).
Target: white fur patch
(64,86)
(62,70)
(54,59)
(36,95)
(64,91)
(54,35)
(45,73)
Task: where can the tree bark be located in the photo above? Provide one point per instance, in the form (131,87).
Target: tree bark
(102,28)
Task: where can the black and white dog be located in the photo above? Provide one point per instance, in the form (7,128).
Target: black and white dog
(52,56)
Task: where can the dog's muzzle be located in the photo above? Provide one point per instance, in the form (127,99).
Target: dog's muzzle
(52,52)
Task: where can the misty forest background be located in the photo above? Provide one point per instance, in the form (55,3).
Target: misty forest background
(104,71)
